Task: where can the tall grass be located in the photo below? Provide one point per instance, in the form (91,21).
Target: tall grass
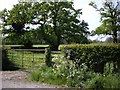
(69,76)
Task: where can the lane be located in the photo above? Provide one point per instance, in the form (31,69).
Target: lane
(0,80)
(21,84)
(17,79)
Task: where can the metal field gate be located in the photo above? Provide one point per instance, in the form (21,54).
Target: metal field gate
(30,59)
(27,59)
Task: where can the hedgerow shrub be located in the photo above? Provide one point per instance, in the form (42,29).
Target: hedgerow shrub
(95,56)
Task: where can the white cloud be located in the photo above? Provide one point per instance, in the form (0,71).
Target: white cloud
(7,4)
(89,13)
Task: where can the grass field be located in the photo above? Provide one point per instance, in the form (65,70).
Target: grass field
(29,59)
(26,59)
(33,45)
(40,45)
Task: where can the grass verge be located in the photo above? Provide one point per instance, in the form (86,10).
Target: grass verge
(69,76)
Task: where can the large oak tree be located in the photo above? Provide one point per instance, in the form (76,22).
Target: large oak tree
(60,21)
(57,21)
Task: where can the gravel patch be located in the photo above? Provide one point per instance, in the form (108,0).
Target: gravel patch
(17,79)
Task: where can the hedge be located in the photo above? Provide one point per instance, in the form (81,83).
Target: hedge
(94,56)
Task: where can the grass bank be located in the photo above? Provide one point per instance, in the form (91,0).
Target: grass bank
(69,76)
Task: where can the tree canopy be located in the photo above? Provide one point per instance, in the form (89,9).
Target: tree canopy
(110,18)
(57,21)
(14,21)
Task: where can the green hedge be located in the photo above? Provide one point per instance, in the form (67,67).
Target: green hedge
(95,56)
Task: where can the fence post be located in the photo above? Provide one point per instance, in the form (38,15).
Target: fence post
(12,55)
(22,59)
(48,59)
(33,61)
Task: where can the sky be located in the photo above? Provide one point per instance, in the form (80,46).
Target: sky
(89,14)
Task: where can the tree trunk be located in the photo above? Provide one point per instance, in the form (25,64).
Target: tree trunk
(118,65)
(115,37)
(54,47)
(99,67)
(55,44)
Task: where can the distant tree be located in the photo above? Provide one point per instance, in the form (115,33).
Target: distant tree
(109,40)
(110,18)
(118,37)
(14,21)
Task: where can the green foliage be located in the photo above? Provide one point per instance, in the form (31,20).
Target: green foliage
(110,15)
(61,23)
(15,21)
(58,75)
(17,17)
(57,21)
(95,56)
(46,74)
(100,81)
(67,75)
(35,76)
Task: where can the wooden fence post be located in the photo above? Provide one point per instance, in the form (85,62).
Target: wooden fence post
(33,61)
(33,57)
(22,59)
(12,55)
(48,59)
